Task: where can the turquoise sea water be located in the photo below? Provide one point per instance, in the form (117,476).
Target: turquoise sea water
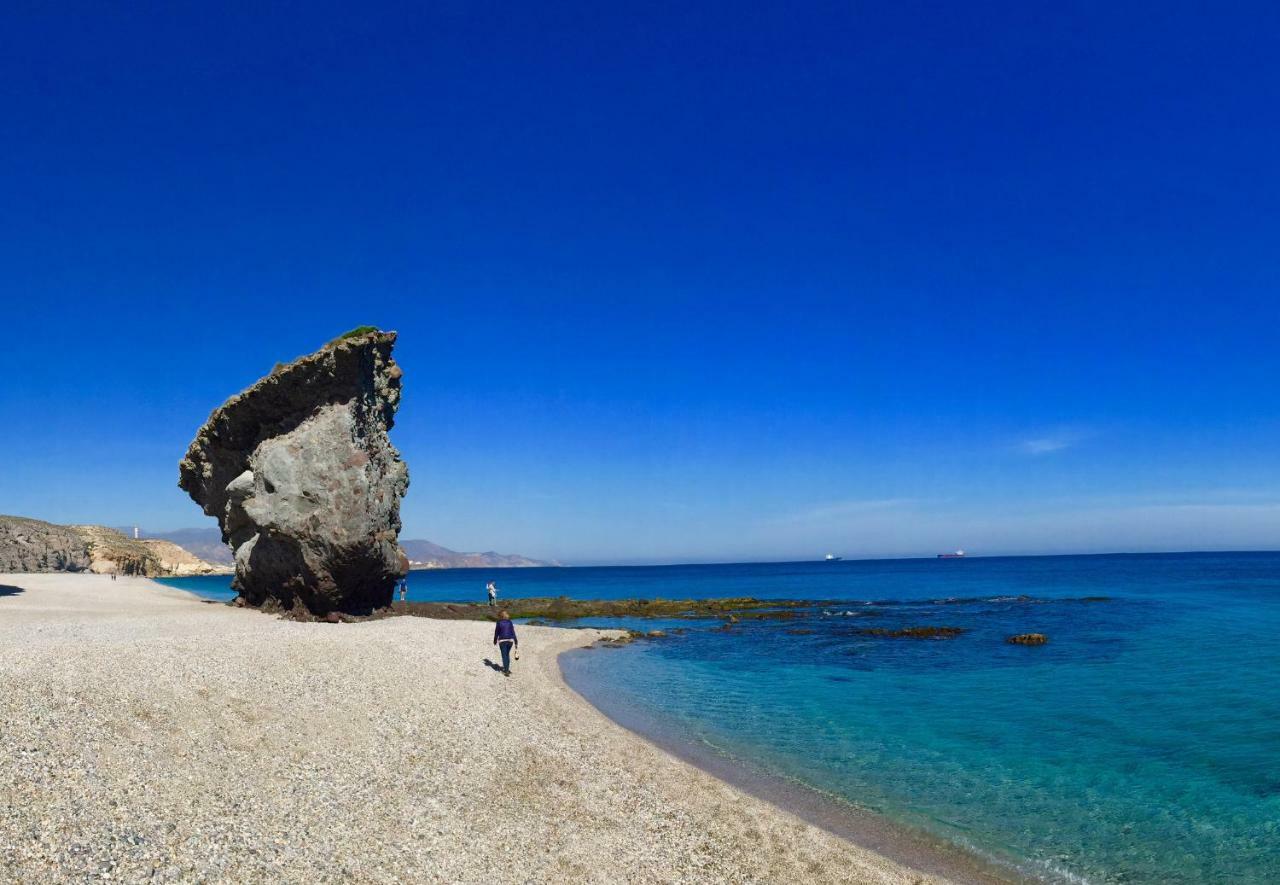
(1141,744)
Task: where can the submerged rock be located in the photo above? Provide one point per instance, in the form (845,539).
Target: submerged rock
(304,482)
(915,632)
(1028,639)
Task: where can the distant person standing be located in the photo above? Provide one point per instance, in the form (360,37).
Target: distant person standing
(404,588)
(493,593)
(504,636)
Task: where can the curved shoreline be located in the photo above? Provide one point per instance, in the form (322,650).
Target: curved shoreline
(155,737)
(913,848)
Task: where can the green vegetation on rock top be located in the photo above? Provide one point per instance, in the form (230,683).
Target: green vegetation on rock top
(354,333)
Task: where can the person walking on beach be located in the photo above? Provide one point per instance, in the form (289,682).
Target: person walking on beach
(493,593)
(504,636)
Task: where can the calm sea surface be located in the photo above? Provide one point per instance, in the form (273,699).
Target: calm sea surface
(1141,744)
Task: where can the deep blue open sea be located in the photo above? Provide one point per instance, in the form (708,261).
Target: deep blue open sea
(1141,744)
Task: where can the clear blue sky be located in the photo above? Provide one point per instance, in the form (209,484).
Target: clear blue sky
(676,282)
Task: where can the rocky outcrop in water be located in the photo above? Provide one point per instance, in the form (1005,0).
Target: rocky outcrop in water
(304,482)
(1028,639)
(30,545)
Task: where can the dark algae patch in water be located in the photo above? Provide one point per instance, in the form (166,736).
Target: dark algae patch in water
(728,615)
(562,608)
(915,632)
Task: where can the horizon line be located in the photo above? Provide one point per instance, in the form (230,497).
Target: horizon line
(901,558)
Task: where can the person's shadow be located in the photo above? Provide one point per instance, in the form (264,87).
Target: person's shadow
(10,590)
(492,666)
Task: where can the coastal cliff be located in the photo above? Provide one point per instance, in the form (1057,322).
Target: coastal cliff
(111,552)
(304,482)
(32,545)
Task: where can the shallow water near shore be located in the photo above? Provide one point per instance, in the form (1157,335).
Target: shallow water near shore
(1138,745)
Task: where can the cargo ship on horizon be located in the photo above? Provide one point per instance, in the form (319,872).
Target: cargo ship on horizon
(959,554)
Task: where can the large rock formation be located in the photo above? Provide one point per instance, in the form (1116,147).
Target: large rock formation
(29,545)
(301,476)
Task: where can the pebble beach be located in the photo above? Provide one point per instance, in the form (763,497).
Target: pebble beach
(146,735)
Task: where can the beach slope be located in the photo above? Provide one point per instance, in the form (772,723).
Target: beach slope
(145,734)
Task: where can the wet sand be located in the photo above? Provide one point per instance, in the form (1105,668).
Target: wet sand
(145,734)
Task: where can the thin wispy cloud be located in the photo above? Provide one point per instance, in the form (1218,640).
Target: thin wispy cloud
(1046,445)
(1210,497)
(1052,442)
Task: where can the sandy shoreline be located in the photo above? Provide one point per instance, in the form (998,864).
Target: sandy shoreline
(147,735)
(909,847)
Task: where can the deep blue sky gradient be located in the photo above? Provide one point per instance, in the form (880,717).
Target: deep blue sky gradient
(739,281)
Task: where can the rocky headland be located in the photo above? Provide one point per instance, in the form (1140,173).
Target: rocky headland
(31,545)
(304,482)
(111,552)
(204,542)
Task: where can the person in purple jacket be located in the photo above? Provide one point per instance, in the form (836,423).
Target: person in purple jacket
(504,636)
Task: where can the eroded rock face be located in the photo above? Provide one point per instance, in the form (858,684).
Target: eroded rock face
(30,545)
(110,552)
(301,476)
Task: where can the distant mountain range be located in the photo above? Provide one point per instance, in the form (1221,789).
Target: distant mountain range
(206,543)
(424,554)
